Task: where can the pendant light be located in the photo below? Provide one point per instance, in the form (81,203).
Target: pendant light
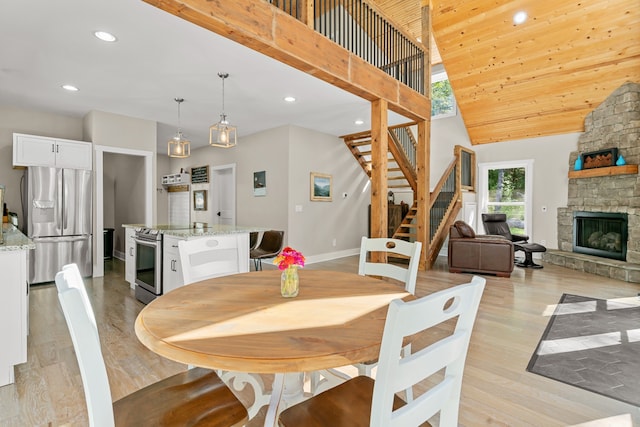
(179,146)
(222,134)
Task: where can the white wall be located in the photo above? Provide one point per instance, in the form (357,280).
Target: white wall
(550,176)
(34,123)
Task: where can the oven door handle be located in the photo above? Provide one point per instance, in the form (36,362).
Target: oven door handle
(150,243)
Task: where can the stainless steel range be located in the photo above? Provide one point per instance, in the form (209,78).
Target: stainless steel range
(148,276)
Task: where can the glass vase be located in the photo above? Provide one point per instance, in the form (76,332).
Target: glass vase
(289,282)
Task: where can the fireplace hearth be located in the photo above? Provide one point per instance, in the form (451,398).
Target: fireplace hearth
(601,234)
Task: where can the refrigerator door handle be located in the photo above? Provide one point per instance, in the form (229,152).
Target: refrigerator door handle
(59,239)
(60,200)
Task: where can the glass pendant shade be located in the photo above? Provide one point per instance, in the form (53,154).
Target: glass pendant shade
(222,134)
(179,146)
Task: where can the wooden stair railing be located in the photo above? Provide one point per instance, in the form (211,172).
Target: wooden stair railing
(402,171)
(445,201)
(444,205)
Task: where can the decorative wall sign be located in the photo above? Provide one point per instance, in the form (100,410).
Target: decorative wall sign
(320,187)
(260,183)
(200,175)
(200,200)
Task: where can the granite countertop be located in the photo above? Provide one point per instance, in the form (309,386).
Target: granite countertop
(188,231)
(14,240)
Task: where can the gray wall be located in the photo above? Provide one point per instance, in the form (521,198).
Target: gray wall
(288,155)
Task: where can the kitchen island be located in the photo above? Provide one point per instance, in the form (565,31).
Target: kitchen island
(229,237)
(14,300)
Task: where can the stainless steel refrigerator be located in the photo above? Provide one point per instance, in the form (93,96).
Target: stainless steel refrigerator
(58,221)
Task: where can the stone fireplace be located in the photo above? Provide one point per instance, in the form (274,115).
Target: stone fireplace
(613,191)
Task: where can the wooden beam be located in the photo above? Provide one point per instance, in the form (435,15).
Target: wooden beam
(423,151)
(272,32)
(379,149)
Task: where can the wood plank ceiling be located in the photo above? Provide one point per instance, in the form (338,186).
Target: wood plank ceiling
(536,79)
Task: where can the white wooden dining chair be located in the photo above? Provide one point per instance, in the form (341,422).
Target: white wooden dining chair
(197,395)
(208,257)
(407,275)
(408,250)
(364,402)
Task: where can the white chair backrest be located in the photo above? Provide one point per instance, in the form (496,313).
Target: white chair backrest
(207,257)
(84,334)
(73,279)
(396,373)
(391,246)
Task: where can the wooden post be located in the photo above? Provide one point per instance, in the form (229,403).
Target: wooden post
(423,192)
(379,150)
(423,149)
(306,12)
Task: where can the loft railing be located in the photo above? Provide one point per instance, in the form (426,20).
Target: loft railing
(359,28)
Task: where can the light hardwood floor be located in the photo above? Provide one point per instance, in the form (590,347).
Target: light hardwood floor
(497,390)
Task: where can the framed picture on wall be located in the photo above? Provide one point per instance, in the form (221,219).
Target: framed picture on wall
(321,187)
(200,200)
(260,183)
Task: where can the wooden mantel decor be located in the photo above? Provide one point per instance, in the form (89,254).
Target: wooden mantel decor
(606,171)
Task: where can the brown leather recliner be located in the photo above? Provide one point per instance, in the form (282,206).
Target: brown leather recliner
(473,253)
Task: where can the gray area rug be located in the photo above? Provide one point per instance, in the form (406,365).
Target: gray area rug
(593,344)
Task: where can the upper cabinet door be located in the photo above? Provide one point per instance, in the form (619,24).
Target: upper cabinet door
(73,155)
(29,150)
(33,151)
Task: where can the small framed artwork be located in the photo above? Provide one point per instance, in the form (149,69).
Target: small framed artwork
(321,187)
(200,200)
(260,183)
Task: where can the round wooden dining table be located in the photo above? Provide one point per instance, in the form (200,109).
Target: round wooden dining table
(242,323)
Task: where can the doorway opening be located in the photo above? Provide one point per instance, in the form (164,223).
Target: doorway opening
(100,150)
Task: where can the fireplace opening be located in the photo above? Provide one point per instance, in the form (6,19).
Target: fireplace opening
(601,234)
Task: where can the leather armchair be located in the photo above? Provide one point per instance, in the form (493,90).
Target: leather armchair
(473,253)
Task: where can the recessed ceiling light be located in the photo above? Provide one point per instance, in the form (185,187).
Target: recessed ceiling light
(104,36)
(70,88)
(289,99)
(519,17)
(359,122)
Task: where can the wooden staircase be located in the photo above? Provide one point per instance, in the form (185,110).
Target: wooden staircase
(401,156)
(445,201)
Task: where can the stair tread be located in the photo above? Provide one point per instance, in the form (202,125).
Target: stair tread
(405,234)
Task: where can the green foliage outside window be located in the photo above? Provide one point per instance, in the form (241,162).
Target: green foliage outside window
(442,100)
(507,195)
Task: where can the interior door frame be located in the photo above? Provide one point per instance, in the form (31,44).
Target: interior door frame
(98,224)
(230,192)
(483,184)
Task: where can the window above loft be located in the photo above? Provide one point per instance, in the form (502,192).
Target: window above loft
(443,103)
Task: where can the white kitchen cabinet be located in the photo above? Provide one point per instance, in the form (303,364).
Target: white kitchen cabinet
(130,256)
(31,150)
(14,310)
(171,267)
